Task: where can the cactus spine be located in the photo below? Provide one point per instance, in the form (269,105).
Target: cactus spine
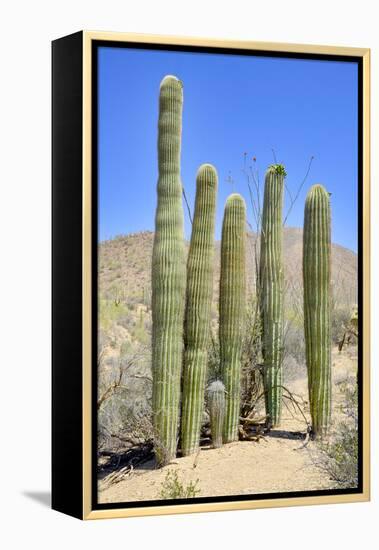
(316,277)
(271,291)
(216,406)
(198,307)
(168,274)
(232,309)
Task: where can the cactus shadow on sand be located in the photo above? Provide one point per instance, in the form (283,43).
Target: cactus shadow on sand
(286,434)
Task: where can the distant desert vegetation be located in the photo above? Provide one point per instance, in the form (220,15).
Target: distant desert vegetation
(124,271)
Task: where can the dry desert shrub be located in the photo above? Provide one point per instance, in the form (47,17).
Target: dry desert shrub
(172,487)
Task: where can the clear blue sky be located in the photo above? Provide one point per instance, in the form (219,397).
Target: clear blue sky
(232,104)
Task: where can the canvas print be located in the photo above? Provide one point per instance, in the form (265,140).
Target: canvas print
(228,241)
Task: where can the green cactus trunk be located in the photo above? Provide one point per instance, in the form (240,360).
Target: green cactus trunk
(198,308)
(168,274)
(232,309)
(271,291)
(316,277)
(216,406)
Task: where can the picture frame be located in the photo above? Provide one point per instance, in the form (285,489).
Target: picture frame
(75,204)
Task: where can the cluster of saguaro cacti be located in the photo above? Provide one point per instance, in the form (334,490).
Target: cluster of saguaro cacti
(216,407)
(232,308)
(316,277)
(271,291)
(198,307)
(182,298)
(168,274)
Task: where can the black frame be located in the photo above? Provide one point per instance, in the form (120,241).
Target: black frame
(67,133)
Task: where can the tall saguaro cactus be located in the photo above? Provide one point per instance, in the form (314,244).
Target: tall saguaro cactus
(271,290)
(232,309)
(168,274)
(198,307)
(316,277)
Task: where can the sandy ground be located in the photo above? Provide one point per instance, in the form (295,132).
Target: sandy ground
(278,463)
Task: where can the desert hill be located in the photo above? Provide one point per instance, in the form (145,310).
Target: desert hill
(125,267)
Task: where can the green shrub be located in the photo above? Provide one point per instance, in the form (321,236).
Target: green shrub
(173,488)
(339,455)
(109,312)
(340,319)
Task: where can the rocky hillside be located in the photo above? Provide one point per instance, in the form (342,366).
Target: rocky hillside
(125,268)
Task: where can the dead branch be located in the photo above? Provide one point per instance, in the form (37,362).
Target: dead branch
(123,368)
(245,436)
(119,475)
(196,459)
(257,421)
(306,440)
(297,404)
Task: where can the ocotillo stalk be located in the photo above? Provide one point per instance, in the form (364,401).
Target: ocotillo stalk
(168,274)
(216,406)
(232,309)
(271,291)
(198,308)
(316,278)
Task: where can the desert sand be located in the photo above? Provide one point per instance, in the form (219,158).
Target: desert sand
(279,462)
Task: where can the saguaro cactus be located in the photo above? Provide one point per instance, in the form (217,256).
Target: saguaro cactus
(198,307)
(232,309)
(316,277)
(168,274)
(271,291)
(216,406)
